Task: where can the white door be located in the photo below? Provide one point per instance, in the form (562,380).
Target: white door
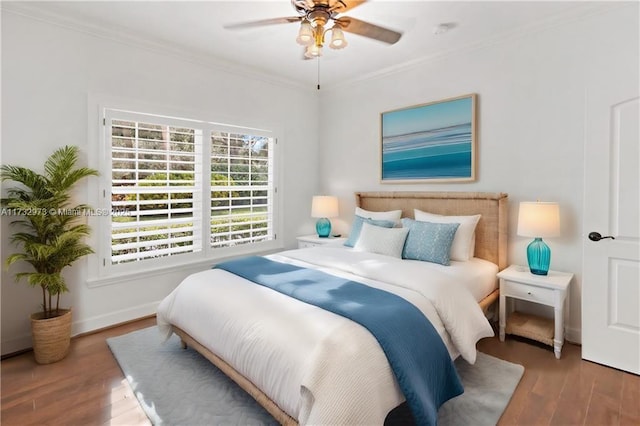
(611,269)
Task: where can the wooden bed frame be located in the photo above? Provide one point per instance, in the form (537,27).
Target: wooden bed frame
(491,244)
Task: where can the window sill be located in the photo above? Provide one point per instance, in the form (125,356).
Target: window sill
(194,265)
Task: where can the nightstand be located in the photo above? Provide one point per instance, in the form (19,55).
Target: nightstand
(551,290)
(306,241)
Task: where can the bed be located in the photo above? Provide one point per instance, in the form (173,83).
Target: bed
(309,366)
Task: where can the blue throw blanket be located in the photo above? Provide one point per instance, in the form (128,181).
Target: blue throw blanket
(415,351)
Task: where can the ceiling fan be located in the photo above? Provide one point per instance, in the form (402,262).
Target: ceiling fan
(318,17)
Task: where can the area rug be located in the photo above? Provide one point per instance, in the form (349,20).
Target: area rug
(180,387)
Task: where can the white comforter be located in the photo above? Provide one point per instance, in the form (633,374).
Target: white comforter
(319,367)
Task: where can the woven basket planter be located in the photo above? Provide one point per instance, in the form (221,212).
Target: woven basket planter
(51,336)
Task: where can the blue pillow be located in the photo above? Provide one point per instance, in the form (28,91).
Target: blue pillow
(429,242)
(356,227)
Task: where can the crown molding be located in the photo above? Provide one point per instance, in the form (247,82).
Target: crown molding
(127,37)
(585,11)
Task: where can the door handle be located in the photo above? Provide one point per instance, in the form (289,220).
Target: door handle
(595,236)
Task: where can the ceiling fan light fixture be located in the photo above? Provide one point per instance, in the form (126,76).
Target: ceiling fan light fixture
(306,36)
(317,17)
(337,38)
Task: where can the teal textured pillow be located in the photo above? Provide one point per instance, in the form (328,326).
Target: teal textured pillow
(429,242)
(356,227)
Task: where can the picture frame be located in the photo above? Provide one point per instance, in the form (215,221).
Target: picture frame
(430,143)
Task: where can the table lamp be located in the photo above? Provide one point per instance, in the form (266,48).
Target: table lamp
(538,220)
(324,207)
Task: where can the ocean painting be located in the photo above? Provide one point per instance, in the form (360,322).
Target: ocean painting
(435,141)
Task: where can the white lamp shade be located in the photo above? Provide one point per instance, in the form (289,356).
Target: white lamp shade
(538,219)
(324,206)
(313,51)
(306,36)
(337,38)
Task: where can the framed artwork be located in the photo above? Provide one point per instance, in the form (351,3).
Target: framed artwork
(433,142)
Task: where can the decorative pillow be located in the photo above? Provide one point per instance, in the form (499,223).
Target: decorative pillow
(430,242)
(393,215)
(464,243)
(356,226)
(375,239)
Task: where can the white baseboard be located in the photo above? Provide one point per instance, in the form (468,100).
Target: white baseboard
(23,342)
(573,335)
(113,318)
(16,344)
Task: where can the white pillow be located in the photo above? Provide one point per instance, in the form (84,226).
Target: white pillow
(387,241)
(463,247)
(393,215)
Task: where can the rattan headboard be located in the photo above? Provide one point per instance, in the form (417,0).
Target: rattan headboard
(491,232)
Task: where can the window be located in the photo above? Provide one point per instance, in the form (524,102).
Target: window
(185,189)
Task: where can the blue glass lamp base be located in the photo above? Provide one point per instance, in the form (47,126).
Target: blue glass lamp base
(539,257)
(323,227)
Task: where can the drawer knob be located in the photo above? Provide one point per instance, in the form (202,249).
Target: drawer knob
(529,293)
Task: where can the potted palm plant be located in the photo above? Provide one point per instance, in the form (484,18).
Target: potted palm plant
(49,238)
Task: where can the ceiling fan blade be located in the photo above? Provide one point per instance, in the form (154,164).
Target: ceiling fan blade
(356,26)
(342,6)
(263,22)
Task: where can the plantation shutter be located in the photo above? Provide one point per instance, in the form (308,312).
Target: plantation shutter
(241,189)
(157,180)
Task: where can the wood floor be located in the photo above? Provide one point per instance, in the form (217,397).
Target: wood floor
(85,388)
(565,391)
(88,388)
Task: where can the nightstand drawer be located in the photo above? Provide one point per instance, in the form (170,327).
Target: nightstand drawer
(307,241)
(528,292)
(306,244)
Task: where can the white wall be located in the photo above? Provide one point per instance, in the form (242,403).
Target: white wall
(49,73)
(531,103)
